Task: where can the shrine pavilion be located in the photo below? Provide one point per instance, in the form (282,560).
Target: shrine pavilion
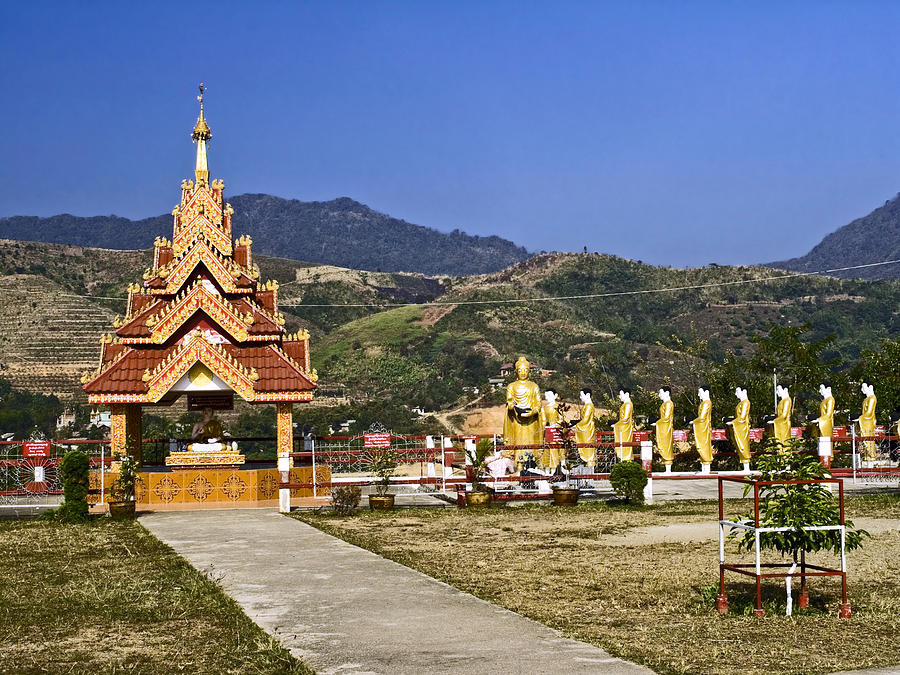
(202,325)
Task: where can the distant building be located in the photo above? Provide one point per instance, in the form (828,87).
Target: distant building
(101,418)
(66,419)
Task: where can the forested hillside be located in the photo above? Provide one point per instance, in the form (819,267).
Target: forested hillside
(339,232)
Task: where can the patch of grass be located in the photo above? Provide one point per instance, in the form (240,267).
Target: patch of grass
(391,328)
(110,597)
(645,601)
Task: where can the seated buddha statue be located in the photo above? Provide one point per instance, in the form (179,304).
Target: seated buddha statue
(207,435)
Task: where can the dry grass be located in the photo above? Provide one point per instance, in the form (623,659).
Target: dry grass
(109,597)
(650,603)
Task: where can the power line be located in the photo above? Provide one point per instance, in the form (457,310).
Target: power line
(500,301)
(586,296)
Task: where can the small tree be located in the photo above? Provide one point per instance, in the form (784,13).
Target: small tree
(797,506)
(122,490)
(478,459)
(628,480)
(73,472)
(345,499)
(383,463)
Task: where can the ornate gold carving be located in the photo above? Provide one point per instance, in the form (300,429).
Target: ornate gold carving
(285,428)
(200,488)
(166,489)
(268,486)
(233,487)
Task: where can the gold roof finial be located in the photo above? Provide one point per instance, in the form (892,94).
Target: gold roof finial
(201,136)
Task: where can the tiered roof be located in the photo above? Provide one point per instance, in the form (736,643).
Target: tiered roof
(202,302)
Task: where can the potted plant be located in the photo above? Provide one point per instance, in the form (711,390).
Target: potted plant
(121,493)
(383,463)
(567,494)
(480,493)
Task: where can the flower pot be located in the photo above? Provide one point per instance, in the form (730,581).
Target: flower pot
(478,498)
(381,502)
(121,510)
(565,496)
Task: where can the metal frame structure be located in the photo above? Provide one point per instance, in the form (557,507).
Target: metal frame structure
(806,569)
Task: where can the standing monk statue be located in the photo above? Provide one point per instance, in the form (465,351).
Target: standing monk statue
(623,430)
(825,423)
(584,428)
(664,427)
(781,424)
(740,427)
(551,421)
(866,419)
(703,429)
(522,425)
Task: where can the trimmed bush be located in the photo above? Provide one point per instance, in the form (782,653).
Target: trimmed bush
(73,473)
(629,479)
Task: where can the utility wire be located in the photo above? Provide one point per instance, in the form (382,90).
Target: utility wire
(611,294)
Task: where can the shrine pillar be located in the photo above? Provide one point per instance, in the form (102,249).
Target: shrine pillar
(284,446)
(125,429)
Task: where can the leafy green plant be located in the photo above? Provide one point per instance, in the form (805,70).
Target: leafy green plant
(796,506)
(478,460)
(383,463)
(628,480)
(122,489)
(73,473)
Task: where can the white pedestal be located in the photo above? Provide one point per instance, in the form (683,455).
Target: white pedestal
(704,468)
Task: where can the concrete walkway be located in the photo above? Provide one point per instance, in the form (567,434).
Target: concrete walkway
(342,609)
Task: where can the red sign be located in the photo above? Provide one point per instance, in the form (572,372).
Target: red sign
(718,435)
(757,434)
(640,436)
(796,432)
(839,432)
(377,440)
(35,449)
(679,434)
(552,435)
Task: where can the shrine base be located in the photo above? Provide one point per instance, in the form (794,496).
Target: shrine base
(213,488)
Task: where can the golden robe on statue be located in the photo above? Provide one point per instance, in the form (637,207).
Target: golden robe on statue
(550,418)
(623,430)
(781,427)
(584,433)
(740,430)
(664,426)
(867,425)
(703,431)
(522,425)
(825,420)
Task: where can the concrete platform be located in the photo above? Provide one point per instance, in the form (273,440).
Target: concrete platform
(343,609)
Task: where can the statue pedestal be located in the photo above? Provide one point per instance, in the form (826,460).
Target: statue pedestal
(225,456)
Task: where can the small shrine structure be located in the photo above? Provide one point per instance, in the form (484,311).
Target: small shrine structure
(202,325)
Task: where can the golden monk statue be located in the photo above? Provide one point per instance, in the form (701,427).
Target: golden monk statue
(623,430)
(209,447)
(740,427)
(551,419)
(208,429)
(703,428)
(866,419)
(825,420)
(664,427)
(522,425)
(781,424)
(584,428)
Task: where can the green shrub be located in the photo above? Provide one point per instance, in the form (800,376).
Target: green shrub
(73,473)
(628,479)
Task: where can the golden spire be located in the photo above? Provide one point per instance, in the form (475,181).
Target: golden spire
(201,136)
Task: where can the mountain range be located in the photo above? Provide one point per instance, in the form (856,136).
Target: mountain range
(339,232)
(872,238)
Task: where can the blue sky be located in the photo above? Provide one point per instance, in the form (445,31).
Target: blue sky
(676,133)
